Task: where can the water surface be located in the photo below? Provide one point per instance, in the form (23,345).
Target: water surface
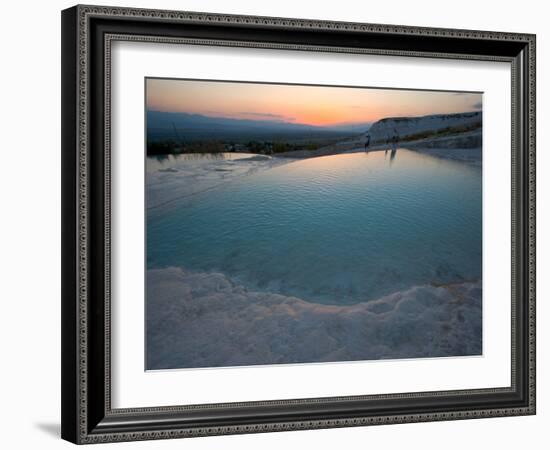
(339,229)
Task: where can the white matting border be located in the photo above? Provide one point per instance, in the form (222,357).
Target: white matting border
(133,387)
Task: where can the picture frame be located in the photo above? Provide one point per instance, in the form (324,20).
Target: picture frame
(88,415)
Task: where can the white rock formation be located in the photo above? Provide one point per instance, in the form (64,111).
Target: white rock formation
(407,127)
(206,320)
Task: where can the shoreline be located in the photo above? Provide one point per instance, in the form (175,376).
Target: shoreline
(461,147)
(166,185)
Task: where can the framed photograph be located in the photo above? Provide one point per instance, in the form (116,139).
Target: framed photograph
(278,224)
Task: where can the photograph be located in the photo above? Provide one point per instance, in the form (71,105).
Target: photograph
(296,223)
(273,222)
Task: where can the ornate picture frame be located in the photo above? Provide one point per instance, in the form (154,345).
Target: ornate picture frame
(88,33)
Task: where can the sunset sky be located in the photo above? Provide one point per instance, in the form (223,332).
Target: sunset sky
(311,105)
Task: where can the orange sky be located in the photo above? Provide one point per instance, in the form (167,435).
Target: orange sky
(312,105)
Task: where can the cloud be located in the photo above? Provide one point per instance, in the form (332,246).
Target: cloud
(267,116)
(477,105)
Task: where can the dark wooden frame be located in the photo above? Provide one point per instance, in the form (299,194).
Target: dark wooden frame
(87,32)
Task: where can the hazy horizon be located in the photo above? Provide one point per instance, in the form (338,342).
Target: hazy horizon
(309,105)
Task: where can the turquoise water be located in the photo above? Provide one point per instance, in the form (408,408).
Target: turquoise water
(339,229)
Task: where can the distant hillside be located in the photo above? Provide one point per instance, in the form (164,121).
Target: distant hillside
(196,126)
(413,128)
(189,127)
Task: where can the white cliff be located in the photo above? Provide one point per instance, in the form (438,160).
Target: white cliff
(415,128)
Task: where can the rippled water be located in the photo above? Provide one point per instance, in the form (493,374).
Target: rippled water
(339,229)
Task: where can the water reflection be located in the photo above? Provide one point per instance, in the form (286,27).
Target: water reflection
(160,158)
(393,153)
(168,162)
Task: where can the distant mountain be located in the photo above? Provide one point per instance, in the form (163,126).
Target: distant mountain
(352,128)
(185,122)
(185,126)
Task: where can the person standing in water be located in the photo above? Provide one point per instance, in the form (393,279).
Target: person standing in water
(394,140)
(367,140)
